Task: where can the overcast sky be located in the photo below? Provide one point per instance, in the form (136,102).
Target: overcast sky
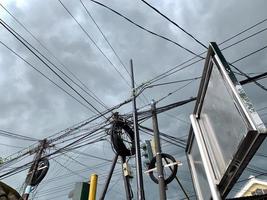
(32,106)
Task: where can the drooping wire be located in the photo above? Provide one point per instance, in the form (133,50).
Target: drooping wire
(105,38)
(174,23)
(169,71)
(16,136)
(91,39)
(37,51)
(109,44)
(68,169)
(41,44)
(145,29)
(22,41)
(49,79)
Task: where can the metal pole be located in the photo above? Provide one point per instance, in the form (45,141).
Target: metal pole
(109,177)
(33,170)
(93,187)
(139,175)
(162,186)
(125,180)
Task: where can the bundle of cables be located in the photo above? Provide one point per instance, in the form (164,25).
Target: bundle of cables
(122,138)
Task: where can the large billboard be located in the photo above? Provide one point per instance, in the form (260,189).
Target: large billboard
(226,130)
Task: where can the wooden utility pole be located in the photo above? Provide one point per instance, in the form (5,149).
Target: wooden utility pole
(33,169)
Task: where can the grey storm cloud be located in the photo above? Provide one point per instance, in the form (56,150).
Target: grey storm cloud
(32,106)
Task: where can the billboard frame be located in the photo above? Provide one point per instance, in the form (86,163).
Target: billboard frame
(256,131)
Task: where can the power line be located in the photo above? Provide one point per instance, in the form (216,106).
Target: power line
(174,23)
(105,38)
(145,29)
(8,145)
(32,35)
(243,31)
(250,54)
(50,80)
(231,63)
(172,82)
(245,38)
(87,34)
(16,136)
(165,74)
(85,122)
(68,169)
(20,39)
(251,79)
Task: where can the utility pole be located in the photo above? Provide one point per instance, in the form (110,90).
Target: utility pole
(139,175)
(125,177)
(162,186)
(33,169)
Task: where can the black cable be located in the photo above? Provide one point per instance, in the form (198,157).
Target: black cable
(105,38)
(243,31)
(251,79)
(169,94)
(248,77)
(85,122)
(231,63)
(232,37)
(100,102)
(250,54)
(145,29)
(27,165)
(174,23)
(22,42)
(87,34)
(65,91)
(16,136)
(7,145)
(176,90)
(150,132)
(172,82)
(68,169)
(239,41)
(90,155)
(19,169)
(28,31)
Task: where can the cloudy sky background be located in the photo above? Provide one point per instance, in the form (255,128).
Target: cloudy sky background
(32,106)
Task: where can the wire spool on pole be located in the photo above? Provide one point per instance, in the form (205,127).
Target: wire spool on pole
(152,165)
(43,166)
(122,138)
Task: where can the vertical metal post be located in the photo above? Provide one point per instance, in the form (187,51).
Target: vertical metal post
(102,197)
(125,180)
(140,184)
(93,187)
(162,186)
(33,169)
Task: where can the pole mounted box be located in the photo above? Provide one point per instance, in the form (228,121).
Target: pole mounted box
(226,130)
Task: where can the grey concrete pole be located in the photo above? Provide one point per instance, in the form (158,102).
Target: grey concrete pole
(162,186)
